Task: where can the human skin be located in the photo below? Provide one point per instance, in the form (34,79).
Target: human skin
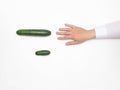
(76,34)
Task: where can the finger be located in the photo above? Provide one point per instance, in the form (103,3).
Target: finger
(70,25)
(64,38)
(72,43)
(62,33)
(64,29)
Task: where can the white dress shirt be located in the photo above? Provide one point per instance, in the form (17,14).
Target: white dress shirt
(108,31)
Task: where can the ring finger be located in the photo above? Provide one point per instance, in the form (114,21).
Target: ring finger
(66,37)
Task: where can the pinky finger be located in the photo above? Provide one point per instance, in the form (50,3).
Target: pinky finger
(64,29)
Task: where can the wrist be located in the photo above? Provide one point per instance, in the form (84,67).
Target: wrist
(92,34)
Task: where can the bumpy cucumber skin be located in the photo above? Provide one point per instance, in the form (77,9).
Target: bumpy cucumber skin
(42,52)
(33,32)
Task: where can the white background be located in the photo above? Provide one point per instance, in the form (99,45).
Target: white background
(93,65)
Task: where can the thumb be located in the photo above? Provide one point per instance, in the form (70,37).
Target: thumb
(72,43)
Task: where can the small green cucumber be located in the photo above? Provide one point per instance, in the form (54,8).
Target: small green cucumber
(42,52)
(33,32)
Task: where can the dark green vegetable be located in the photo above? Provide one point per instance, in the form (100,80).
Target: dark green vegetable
(42,52)
(33,32)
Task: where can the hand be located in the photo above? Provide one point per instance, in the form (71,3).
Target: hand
(76,34)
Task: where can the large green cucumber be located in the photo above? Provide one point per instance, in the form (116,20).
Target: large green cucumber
(42,52)
(33,32)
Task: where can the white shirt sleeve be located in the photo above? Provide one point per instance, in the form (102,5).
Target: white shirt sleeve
(108,31)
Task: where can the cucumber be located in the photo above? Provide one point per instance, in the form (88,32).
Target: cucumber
(33,32)
(42,52)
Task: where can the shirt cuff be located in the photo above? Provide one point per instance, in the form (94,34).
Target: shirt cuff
(101,32)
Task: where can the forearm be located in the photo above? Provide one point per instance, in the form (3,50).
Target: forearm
(108,31)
